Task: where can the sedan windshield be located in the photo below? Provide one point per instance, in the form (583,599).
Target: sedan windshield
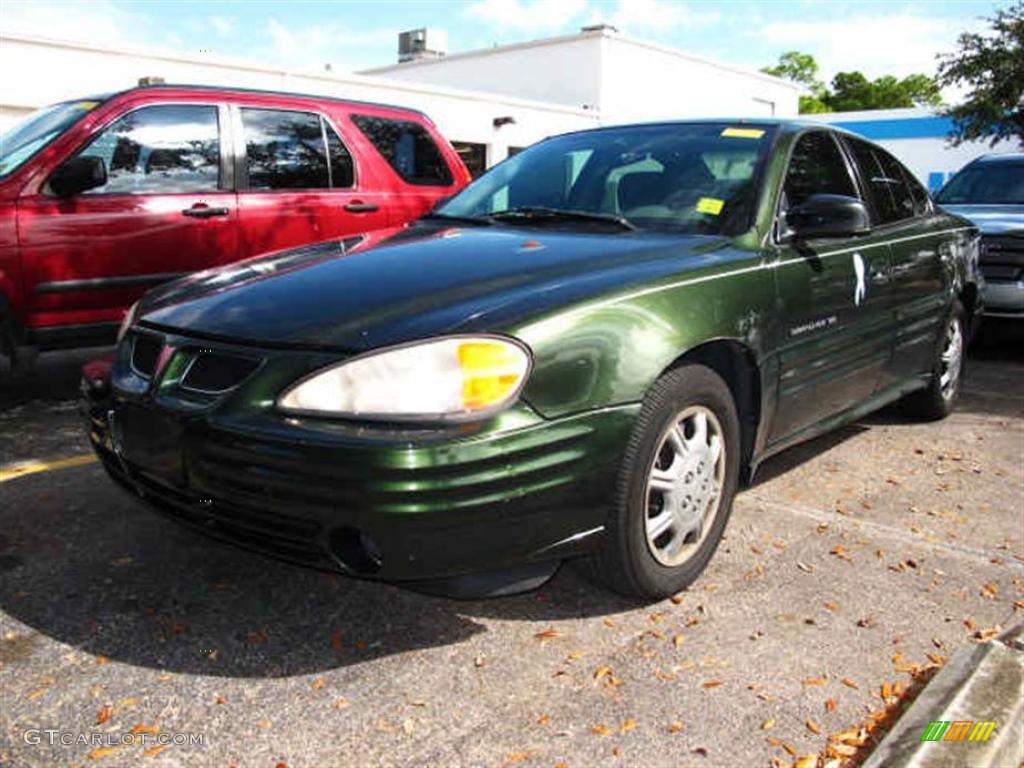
(989,183)
(682,177)
(37,130)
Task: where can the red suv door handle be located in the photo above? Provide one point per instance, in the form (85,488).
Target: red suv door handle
(358,207)
(203,211)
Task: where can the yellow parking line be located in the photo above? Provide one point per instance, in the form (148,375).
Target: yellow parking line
(12,471)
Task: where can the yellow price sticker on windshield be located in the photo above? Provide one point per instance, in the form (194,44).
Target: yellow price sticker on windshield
(710,205)
(743,133)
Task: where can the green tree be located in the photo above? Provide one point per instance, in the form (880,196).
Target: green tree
(991,66)
(803,69)
(852,91)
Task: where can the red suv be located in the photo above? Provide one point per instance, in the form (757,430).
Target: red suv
(102,198)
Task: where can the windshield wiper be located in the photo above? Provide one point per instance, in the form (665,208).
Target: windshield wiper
(480,221)
(539,213)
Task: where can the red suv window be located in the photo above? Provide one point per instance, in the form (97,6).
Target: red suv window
(408,148)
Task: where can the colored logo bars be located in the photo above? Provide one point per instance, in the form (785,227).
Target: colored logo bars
(958,730)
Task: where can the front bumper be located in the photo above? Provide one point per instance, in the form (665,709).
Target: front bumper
(1004,298)
(371,502)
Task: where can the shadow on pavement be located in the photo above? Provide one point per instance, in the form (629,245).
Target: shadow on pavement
(94,569)
(52,376)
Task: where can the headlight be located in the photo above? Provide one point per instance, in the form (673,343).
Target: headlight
(459,377)
(126,321)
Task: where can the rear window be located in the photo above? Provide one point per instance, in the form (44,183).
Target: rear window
(991,183)
(408,148)
(887,182)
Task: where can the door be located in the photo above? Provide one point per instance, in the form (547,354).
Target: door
(905,215)
(165,210)
(298,181)
(835,330)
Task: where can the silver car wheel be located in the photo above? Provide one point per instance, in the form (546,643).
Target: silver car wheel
(684,485)
(951,362)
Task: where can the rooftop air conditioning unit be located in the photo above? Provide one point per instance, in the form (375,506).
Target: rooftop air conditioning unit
(419,44)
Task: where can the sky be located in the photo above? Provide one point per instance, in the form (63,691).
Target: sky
(877,38)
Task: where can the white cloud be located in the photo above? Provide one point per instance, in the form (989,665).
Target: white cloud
(654,16)
(526,15)
(312,47)
(898,44)
(95,21)
(222,25)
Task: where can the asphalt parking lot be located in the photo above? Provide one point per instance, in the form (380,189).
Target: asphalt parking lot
(852,559)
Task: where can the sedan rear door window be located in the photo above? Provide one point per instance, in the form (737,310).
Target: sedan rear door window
(886,181)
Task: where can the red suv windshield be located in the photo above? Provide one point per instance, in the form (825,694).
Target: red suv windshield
(39,129)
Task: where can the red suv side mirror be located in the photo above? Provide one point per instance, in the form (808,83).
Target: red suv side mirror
(78,174)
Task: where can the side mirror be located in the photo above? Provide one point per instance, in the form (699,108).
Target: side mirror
(78,174)
(828,216)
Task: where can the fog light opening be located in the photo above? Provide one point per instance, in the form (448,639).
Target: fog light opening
(355,550)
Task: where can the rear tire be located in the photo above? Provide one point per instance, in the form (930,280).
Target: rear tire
(939,399)
(675,487)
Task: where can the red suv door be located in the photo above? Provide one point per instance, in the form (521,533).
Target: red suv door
(298,182)
(166,209)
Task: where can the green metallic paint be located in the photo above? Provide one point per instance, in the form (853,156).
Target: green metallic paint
(604,317)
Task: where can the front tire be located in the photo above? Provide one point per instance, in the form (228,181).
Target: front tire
(943,391)
(675,487)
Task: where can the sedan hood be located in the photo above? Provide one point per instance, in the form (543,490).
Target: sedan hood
(355,295)
(992,219)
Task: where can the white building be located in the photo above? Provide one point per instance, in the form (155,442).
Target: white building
(623,79)
(918,137)
(485,102)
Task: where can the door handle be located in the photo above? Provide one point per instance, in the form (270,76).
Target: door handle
(358,207)
(204,212)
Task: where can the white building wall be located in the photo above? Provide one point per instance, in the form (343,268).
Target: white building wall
(643,81)
(562,70)
(627,80)
(62,70)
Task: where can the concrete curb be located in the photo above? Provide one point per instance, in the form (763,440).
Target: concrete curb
(981,683)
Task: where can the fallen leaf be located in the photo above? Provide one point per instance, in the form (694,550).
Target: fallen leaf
(678,640)
(100,752)
(104,714)
(812,726)
(478,662)
(768,724)
(814,681)
(221,700)
(264,723)
(341,703)
(676,599)
(317,684)
(830,606)
(548,634)
(830,705)
(627,725)
(807,761)
(101,659)
(257,637)
(990,590)
(656,617)
(601,729)
(804,567)
(543,719)
(712,683)
(886,690)
(850,683)
(575,655)
(675,726)
(935,658)
(616,751)
(517,757)
(338,640)
(155,750)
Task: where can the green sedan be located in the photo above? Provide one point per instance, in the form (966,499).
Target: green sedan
(581,355)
